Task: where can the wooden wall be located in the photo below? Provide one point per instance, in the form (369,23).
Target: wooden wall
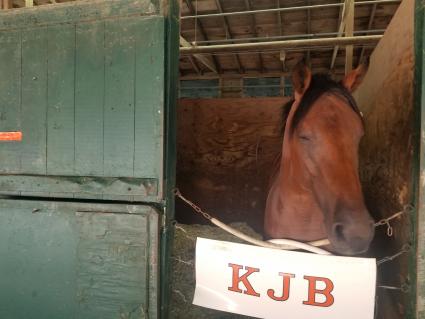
(386,99)
(227,149)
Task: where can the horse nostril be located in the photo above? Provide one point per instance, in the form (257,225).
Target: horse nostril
(351,238)
(338,230)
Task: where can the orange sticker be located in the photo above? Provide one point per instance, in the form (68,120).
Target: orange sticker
(11,136)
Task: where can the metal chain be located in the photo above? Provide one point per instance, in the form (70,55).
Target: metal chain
(404,249)
(195,207)
(386,221)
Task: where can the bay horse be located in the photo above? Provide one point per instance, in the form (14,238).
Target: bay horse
(316,192)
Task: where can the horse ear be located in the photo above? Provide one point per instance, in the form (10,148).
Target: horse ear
(301,78)
(353,79)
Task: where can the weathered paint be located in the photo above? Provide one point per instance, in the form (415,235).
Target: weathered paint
(171,70)
(85,84)
(77,260)
(418,260)
(11,136)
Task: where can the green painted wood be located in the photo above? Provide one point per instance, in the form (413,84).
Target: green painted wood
(149,111)
(171,69)
(34,101)
(89,98)
(92,101)
(68,186)
(120,57)
(74,12)
(73,260)
(10,99)
(61,102)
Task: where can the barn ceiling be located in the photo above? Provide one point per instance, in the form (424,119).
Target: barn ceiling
(250,21)
(275,21)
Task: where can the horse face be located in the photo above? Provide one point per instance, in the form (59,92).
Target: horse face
(324,145)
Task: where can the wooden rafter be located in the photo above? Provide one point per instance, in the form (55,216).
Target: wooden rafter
(248,6)
(201,29)
(204,59)
(228,33)
(194,65)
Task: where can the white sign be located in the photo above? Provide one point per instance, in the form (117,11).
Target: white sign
(269,283)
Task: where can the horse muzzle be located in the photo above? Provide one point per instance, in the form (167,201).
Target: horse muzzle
(352,237)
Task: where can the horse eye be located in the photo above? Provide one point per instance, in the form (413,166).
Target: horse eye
(304,138)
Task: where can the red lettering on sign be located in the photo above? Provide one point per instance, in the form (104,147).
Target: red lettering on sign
(285,290)
(313,291)
(11,136)
(236,279)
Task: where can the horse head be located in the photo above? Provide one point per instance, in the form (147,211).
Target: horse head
(317,191)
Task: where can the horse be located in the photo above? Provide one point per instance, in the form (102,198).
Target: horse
(316,191)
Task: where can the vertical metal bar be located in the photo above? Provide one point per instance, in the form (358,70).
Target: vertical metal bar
(279,20)
(309,32)
(349,28)
(228,33)
(369,26)
(342,16)
(248,6)
(203,33)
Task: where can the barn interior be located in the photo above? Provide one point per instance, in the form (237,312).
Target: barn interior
(230,104)
(230,112)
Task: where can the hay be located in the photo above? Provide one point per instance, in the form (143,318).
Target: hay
(183,273)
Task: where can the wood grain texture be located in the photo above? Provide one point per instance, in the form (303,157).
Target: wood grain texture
(87,95)
(78,260)
(227,149)
(386,153)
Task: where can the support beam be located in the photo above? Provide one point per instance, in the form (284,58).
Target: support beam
(253,74)
(279,45)
(279,23)
(201,29)
(349,28)
(248,6)
(308,32)
(288,37)
(369,27)
(228,34)
(205,60)
(342,20)
(194,65)
(7,4)
(287,9)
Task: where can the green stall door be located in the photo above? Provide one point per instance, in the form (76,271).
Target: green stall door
(62,260)
(84,83)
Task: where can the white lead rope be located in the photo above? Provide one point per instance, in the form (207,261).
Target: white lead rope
(284,244)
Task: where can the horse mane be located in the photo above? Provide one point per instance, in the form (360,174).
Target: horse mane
(320,84)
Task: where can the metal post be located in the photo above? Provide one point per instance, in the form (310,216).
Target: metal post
(349,28)
(287,9)
(279,45)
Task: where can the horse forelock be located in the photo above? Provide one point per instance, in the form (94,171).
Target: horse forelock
(320,84)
